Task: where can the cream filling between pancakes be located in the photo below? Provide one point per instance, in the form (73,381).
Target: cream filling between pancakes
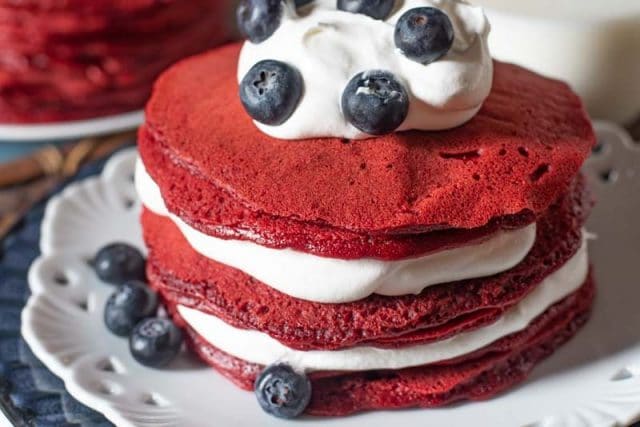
(332,280)
(260,348)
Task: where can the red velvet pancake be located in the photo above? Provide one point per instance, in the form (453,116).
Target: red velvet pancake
(280,233)
(61,64)
(516,157)
(477,376)
(185,277)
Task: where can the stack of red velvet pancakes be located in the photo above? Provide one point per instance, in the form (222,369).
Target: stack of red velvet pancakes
(75,59)
(410,269)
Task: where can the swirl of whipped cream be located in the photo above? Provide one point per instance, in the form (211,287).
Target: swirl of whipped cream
(329,47)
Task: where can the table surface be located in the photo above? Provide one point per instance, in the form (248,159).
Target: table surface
(10,151)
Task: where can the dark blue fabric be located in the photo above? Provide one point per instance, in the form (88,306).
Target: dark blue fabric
(30,395)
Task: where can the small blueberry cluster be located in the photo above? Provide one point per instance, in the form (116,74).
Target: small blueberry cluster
(374,101)
(131,310)
(155,341)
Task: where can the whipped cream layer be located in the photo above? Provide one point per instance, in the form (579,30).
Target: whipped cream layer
(329,47)
(331,280)
(258,347)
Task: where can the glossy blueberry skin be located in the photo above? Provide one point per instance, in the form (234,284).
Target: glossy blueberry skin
(118,262)
(424,34)
(155,342)
(375,102)
(128,305)
(259,19)
(282,392)
(271,91)
(377,9)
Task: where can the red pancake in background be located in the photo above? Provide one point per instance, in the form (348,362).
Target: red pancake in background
(69,63)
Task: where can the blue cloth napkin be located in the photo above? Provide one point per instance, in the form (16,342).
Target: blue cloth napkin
(30,395)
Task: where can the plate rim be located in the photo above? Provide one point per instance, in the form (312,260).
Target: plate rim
(69,130)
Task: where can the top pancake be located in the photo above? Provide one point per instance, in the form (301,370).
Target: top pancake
(516,156)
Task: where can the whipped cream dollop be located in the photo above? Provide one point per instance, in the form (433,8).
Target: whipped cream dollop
(331,280)
(329,47)
(258,347)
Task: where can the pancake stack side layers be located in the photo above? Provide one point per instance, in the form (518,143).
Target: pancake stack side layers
(428,251)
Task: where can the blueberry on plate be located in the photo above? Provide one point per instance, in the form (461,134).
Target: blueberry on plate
(377,9)
(282,392)
(118,262)
(375,102)
(259,19)
(424,34)
(155,342)
(128,305)
(271,91)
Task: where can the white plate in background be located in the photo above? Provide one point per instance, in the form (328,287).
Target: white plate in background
(60,131)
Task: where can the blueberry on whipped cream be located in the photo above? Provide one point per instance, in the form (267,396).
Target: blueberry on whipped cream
(377,9)
(270,91)
(282,392)
(436,49)
(375,102)
(424,34)
(258,19)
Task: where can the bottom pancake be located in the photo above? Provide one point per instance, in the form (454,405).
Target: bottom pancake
(476,376)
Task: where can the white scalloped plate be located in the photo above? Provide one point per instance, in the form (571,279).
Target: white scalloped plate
(592,381)
(60,131)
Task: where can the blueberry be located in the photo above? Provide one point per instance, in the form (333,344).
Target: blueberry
(424,34)
(128,305)
(282,392)
(155,342)
(300,3)
(259,19)
(118,262)
(375,102)
(271,91)
(377,9)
